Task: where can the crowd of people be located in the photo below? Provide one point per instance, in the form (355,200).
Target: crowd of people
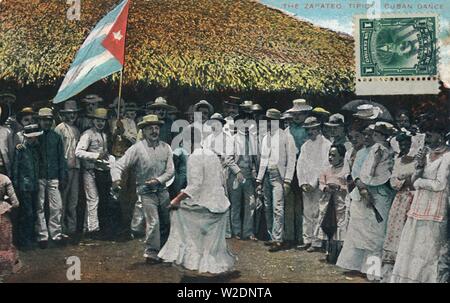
(357,187)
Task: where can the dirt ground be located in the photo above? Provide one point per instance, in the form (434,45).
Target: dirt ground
(103,261)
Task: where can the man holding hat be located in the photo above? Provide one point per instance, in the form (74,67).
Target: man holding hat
(52,176)
(312,161)
(293,205)
(153,162)
(6,149)
(276,169)
(91,103)
(70,136)
(26,182)
(25,116)
(92,149)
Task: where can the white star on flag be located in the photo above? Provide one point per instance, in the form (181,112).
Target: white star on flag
(117,36)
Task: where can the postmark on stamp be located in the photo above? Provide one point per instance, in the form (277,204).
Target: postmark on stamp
(396,54)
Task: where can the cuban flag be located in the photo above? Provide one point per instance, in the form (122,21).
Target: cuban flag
(101,54)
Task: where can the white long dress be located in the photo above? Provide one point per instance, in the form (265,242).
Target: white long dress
(422,253)
(197,233)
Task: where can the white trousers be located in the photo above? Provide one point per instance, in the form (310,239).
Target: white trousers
(54,229)
(311,217)
(91,213)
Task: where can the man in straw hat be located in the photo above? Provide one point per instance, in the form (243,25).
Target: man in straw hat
(153,162)
(6,149)
(293,204)
(222,144)
(91,103)
(92,149)
(337,131)
(242,195)
(70,135)
(276,169)
(26,182)
(312,161)
(52,176)
(161,108)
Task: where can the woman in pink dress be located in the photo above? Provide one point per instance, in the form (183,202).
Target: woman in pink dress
(8,255)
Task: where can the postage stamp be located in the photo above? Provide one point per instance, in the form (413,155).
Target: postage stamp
(396,48)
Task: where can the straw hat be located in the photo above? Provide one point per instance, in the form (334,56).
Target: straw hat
(246,106)
(273,114)
(92,99)
(335,120)
(384,128)
(150,120)
(160,102)
(311,122)
(218,117)
(70,106)
(203,103)
(299,105)
(31,131)
(367,112)
(257,108)
(45,113)
(100,113)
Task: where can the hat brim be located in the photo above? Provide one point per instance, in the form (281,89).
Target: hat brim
(143,124)
(311,126)
(365,117)
(32,135)
(231,104)
(163,106)
(333,124)
(97,117)
(46,117)
(67,111)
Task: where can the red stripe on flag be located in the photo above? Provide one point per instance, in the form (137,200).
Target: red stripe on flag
(114,42)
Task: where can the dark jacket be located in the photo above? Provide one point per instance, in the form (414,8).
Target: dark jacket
(52,162)
(26,168)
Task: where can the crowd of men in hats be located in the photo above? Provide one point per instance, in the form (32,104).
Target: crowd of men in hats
(354,186)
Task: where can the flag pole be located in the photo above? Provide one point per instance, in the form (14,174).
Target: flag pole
(120,94)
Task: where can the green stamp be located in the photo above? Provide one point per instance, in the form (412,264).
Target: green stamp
(397,46)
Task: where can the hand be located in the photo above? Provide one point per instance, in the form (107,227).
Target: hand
(306,188)
(116,186)
(103,156)
(152,182)
(240,177)
(174,204)
(20,146)
(287,187)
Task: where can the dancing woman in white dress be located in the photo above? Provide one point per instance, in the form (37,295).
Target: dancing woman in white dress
(199,217)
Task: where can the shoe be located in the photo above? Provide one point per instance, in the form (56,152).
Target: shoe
(43,244)
(268,243)
(313,249)
(237,237)
(152,259)
(303,246)
(252,238)
(277,247)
